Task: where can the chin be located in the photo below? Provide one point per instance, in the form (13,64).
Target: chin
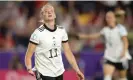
(50,19)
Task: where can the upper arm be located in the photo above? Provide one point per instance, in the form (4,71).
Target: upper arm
(124,39)
(31,49)
(123,34)
(66,47)
(65,41)
(34,41)
(97,35)
(123,31)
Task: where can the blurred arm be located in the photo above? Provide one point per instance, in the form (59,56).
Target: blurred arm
(125,43)
(28,56)
(90,36)
(70,57)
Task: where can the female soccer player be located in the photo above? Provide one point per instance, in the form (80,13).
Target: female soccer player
(116,53)
(47,41)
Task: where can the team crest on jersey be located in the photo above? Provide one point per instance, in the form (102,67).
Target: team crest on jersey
(54,44)
(34,36)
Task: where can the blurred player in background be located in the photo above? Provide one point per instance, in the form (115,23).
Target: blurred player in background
(116,52)
(47,41)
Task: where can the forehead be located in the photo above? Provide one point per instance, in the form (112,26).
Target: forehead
(48,7)
(110,14)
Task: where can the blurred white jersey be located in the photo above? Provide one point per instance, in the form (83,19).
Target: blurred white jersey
(48,59)
(114,43)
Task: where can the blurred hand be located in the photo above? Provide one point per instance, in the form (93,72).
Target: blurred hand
(31,72)
(80,75)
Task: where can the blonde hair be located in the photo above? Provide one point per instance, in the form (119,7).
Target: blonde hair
(42,10)
(110,12)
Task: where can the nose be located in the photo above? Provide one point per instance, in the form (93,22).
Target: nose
(49,12)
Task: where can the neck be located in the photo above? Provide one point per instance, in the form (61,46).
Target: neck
(50,24)
(113,25)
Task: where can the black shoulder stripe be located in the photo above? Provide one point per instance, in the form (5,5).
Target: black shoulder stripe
(33,42)
(64,41)
(41,29)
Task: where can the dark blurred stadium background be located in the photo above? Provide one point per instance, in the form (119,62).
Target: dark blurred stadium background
(19,19)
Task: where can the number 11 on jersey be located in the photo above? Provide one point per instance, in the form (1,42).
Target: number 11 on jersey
(51,55)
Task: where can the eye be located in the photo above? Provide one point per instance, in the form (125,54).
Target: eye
(46,11)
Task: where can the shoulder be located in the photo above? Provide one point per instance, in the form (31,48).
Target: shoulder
(121,27)
(40,28)
(60,27)
(105,28)
(122,30)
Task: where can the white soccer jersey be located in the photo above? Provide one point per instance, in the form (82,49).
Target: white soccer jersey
(48,59)
(114,43)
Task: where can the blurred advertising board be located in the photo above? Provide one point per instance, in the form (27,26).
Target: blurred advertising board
(23,75)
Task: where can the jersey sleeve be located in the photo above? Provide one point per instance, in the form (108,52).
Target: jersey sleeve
(123,31)
(65,36)
(102,31)
(35,37)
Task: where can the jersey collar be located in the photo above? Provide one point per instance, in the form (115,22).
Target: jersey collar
(51,30)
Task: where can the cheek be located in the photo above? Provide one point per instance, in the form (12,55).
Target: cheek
(114,19)
(46,15)
(54,15)
(107,20)
(110,19)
